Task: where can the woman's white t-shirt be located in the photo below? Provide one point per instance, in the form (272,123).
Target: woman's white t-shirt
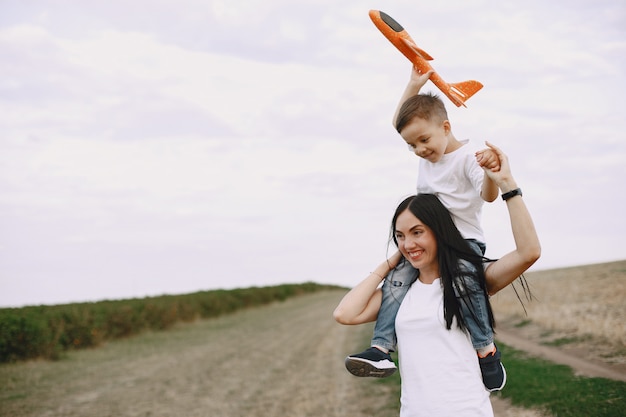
(438,367)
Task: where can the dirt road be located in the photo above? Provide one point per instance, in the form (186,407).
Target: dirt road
(581,365)
(285,359)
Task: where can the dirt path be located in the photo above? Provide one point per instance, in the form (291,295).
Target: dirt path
(280,360)
(581,365)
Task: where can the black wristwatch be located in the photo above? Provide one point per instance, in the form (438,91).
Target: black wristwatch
(512,193)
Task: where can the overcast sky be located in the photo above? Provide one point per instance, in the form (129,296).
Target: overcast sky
(163,147)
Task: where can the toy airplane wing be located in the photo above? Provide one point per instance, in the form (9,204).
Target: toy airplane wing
(417,49)
(458,93)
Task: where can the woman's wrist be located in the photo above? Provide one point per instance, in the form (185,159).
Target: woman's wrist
(506,186)
(382,270)
(376,274)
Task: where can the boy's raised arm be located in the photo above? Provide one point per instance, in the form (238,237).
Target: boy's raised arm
(416,82)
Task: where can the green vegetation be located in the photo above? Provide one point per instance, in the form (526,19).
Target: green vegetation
(393,383)
(567,340)
(523,323)
(47,331)
(538,383)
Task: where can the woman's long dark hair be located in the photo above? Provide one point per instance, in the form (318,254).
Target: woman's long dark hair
(453,251)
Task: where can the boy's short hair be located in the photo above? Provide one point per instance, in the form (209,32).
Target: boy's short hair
(426,106)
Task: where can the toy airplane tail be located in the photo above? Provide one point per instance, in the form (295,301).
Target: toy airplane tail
(458,93)
(464,90)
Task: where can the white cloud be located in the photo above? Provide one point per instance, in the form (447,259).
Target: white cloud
(216,144)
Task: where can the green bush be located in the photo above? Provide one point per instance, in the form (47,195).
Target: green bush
(22,336)
(46,331)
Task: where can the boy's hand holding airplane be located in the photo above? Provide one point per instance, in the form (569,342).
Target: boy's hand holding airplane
(417,79)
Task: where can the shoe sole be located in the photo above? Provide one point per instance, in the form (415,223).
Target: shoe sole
(365,368)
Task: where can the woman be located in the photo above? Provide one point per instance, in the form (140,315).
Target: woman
(438,365)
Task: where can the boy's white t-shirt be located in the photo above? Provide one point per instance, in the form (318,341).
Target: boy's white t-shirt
(438,367)
(457,180)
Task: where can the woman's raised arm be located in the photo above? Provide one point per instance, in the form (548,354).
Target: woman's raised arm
(505,270)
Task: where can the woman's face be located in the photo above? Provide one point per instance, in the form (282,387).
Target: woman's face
(417,243)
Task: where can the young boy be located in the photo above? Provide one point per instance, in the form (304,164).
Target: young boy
(452,171)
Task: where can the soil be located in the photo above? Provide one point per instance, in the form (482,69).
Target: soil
(583,358)
(285,359)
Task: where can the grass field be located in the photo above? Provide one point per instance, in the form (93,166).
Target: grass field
(286,359)
(557,391)
(580,309)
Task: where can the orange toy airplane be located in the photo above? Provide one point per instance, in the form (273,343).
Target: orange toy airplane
(458,93)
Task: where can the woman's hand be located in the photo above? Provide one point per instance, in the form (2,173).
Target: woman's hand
(502,177)
(488,159)
(394,259)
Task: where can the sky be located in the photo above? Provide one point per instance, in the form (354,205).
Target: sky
(167,147)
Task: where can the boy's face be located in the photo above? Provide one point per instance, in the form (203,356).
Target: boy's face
(427,139)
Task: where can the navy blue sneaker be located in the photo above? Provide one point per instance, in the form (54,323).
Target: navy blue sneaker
(371,362)
(492,370)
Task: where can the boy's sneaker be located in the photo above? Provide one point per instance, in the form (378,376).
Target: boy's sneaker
(494,374)
(371,362)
